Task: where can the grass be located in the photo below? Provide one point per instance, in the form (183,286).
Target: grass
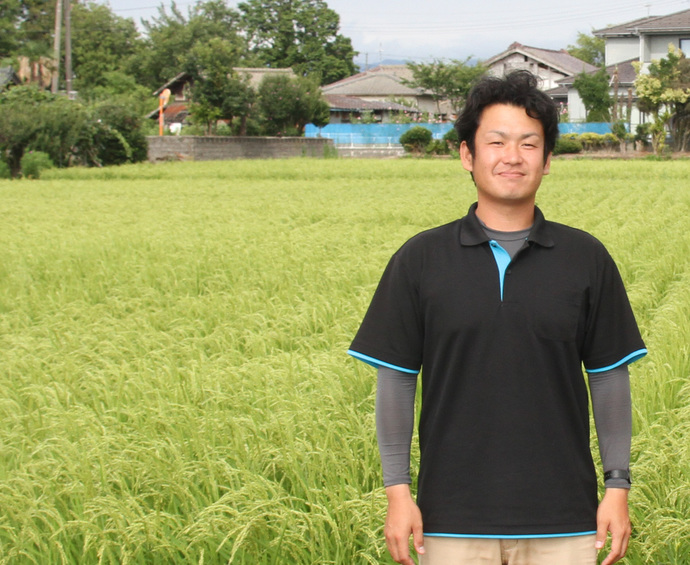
(174,385)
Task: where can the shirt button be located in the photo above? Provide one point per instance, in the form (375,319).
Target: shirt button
(509,271)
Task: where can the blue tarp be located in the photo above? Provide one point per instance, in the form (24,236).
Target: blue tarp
(389,134)
(589,127)
(368,134)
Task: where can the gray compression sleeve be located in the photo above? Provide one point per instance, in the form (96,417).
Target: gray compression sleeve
(612,409)
(395,393)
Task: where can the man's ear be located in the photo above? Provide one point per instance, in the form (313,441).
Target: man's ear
(547,164)
(466,157)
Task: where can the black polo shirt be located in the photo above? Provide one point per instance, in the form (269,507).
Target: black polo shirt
(504,427)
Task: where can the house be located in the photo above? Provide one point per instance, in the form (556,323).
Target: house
(385,86)
(549,65)
(177,108)
(350,109)
(644,39)
(622,83)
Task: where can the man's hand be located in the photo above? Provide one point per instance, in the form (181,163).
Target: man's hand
(402,520)
(613,517)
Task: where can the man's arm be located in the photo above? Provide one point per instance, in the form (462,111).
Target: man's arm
(395,394)
(612,409)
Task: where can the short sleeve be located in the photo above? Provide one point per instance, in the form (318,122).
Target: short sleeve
(613,337)
(391,334)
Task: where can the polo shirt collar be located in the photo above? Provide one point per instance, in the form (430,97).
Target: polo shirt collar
(472,232)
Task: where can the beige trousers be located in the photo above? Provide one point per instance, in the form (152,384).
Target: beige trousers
(575,550)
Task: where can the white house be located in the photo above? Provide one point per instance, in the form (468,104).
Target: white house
(645,40)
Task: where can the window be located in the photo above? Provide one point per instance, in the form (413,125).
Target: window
(685,46)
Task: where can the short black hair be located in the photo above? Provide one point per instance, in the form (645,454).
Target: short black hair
(518,88)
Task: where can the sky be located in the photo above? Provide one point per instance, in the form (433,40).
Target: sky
(424,30)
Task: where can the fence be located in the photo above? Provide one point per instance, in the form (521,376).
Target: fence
(389,134)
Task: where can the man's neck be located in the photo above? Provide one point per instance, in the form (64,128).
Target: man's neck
(506,218)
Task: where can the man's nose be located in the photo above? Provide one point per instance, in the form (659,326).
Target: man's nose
(511,153)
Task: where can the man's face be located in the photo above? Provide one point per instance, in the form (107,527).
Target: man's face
(508,162)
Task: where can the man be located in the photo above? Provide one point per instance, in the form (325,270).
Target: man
(500,310)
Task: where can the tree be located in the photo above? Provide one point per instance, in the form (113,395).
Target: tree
(301,34)
(446,81)
(18,123)
(9,34)
(589,49)
(593,89)
(664,91)
(217,92)
(172,38)
(102,42)
(288,104)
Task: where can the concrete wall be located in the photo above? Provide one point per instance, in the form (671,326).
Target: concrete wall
(198,148)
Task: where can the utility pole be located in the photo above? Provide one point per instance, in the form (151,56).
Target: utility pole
(68,47)
(56,46)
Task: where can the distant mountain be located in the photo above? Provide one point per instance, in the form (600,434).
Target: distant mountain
(361,64)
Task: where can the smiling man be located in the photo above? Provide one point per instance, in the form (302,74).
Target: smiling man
(500,311)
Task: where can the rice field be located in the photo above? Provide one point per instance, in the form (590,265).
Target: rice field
(174,386)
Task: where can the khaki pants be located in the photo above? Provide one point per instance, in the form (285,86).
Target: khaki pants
(575,550)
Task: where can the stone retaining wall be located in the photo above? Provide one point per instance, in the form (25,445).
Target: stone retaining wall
(209,148)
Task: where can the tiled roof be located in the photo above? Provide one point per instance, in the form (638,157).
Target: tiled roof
(173,112)
(626,73)
(371,83)
(560,60)
(384,80)
(255,74)
(339,102)
(678,21)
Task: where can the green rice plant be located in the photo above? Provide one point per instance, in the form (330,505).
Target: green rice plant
(174,385)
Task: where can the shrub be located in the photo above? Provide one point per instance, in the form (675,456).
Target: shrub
(5,172)
(567,144)
(452,140)
(34,162)
(119,138)
(643,132)
(416,139)
(592,140)
(437,147)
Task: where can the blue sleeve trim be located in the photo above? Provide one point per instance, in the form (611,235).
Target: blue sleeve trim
(376,363)
(502,536)
(639,354)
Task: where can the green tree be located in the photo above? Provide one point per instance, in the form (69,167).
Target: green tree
(217,92)
(9,32)
(593,89)
(663,91)
(171,38)
(588,48)
(301,34)
(102,42)
(288,104)
(446,81)
(18,123)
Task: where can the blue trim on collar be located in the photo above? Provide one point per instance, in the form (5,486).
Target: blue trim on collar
(634,356)
(377,363)
(525,536)
(502,258)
